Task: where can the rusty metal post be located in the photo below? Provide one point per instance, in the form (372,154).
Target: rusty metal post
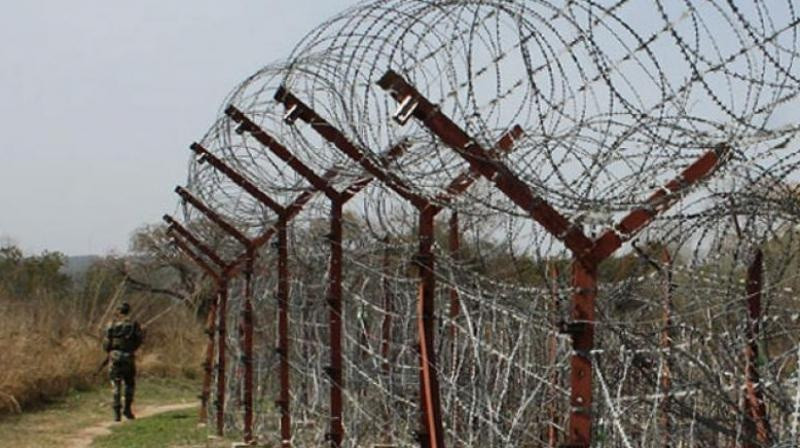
(429,383)
(581,329)
(247,348)
(222,334)
(336,434)
(246,260)
(552,352)
(454,245)
(210,325)
(283,335)
(208,360)
(220,282)
(757,429)
(666,350)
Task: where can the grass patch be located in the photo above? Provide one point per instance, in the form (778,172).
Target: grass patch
(155,390)
(71,413)
(170,429)
(50,426)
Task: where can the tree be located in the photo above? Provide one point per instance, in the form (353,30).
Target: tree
(154,267)
(25,276)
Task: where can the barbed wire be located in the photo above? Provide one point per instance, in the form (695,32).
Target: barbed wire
(614,100)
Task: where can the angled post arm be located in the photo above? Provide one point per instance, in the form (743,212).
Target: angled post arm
(238,179)
(197,259)
(297,205)
(213,216)
(415,104)
(298,109)
(176,227)
(658,202)
(461,183)
(247,125)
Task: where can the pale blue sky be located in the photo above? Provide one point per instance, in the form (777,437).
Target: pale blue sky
(100,101)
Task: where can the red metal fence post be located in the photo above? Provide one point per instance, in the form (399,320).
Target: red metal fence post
(431,419)
(429,385)
(757,429)
(210,321)
(335,321)
(251,246)
(581,329)
(209,357)
(247,260)
(247,355)
(245,241)
(552,352)
(283,402)
(222,334)
(221,280)
(454,245)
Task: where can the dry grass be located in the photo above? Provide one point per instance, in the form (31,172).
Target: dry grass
(49,346)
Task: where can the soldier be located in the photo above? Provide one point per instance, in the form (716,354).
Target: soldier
(122,338)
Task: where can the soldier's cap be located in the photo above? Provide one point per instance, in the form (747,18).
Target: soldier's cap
(124,308)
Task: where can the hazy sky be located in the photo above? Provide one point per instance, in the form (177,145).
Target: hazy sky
(99,101)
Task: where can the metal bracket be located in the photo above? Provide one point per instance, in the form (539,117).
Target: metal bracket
(292,114)
(405,110)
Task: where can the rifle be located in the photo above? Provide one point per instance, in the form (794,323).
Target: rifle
(103,364)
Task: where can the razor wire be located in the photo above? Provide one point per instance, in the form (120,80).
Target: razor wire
(614,99)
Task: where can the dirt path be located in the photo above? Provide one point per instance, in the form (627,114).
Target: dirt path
(84,438)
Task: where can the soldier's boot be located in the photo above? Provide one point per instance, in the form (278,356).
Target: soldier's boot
(117,414)
(128,413)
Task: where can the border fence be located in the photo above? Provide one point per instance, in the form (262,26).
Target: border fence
(514,223)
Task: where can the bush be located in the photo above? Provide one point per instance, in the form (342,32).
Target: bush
(51,330)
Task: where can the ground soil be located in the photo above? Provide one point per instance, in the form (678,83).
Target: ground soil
(76,419)
(84,438)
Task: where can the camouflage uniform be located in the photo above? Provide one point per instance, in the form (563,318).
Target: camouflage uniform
(122,339)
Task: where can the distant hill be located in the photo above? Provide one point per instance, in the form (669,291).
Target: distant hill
(77,265)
